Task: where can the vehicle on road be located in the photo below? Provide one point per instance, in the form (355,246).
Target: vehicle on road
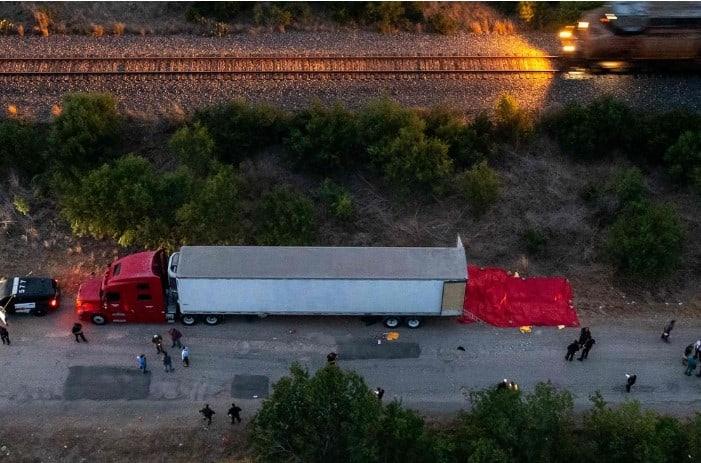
(33,295)
(206,283)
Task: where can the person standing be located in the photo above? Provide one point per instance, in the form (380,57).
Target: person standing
(379,392)
(141,361)
(185,355)
(234,413)
(175,336)
(690,365)
(168,362)
(697,348)
(157,340)
(587,347)
(331,358)
(584,335)
(208,413)
(571,350)
(4,335)
(77,331)
(667,330)
(631,379)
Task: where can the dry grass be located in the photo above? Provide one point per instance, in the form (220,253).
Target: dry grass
(43,22)
(97,30)
(477,18)
(118,28)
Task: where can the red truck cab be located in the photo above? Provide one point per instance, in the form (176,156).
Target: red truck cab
(132,290)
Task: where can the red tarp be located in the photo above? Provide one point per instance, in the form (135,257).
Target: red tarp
(500,299)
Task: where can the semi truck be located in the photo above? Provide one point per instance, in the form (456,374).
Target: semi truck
(207,283)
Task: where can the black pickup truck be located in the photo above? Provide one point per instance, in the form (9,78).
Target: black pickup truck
(33,295)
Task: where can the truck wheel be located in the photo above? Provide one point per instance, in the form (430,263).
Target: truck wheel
(413,322)
(99,319)
(391,322)
(212,320)
(188,320)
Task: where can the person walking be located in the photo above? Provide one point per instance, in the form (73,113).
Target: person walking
(234,413)
(587,347)
(631,379)
(379,392)
(208,413)
(667,330)
(4,335)
(690,365)
(157,340)
(697,349)
(571,350)
(168,363)
(584,335)
(141,361)
(185,355)
(331,358)
(175,336)
(77,331)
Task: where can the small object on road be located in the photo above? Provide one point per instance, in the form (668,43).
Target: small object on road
(208,413)
(157,340)
(560,327)
(571,349)
(584,335)
(392,336)
(234,413)
(461,348)
(185,355)
(667,330)
(587,347)
(77,331)
(168,363)
(331,358)
(141,361)
(631,379)
(4,335)
(690,365)
(525,329)
(379,392)
(175,336)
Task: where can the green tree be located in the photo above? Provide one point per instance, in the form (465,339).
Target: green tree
(683,159)
(401,437)
(285,218)
(468,143)
(380,122)
(323,139)
(337,199)
(630,186)
(194,147)
(512,123)
(214,214)
(480,186)
(22,147)
(646,240)
(86,131)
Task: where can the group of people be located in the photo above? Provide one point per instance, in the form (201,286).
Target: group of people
(585,343)
(234,413)
(157,340)
(692,352)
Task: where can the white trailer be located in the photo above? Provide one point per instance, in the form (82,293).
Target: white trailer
(394,282)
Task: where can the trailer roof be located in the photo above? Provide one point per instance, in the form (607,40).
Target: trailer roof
(390,263)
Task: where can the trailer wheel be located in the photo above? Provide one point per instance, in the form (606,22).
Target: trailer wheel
(188,320)
(391,322)
(212,319)
(99,319)
(413,322)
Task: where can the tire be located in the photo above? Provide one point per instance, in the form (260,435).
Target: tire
(188,320)
(98,319)
(413,322)
(212,320)
(392,322)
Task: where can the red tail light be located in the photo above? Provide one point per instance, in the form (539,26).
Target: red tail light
(53,303)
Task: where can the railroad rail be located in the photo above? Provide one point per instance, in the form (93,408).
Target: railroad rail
(277,65)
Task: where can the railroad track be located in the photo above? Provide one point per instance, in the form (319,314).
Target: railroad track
(278,66)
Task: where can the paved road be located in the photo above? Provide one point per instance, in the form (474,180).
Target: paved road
(46,374)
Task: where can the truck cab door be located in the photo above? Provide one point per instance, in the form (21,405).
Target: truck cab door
(147,302)
(114,307)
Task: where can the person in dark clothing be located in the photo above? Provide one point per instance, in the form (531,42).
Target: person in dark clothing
(208,413)
(587,347)
(168,363)
(667,330)
(630,381)
(77,331)
(157,340)
(571,350)
(4,335)
(331,358)
(380,393)
(584,335)
(175,336)
(234,413)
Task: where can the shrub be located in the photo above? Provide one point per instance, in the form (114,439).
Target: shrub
(512,123)
(480,186)
(657,131)
(443,24)
(381,120)
(683,159)
(21,147)
(630,186)
(468,143)
(412,161)
(86,131)
(388,16)
(323,139)
(241,129)
(337,199)
(535,241)
(43,22)
(285,218)
(220,11)
(214,214)
(646,239)
(194,147)
(21,204)
(118,28)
